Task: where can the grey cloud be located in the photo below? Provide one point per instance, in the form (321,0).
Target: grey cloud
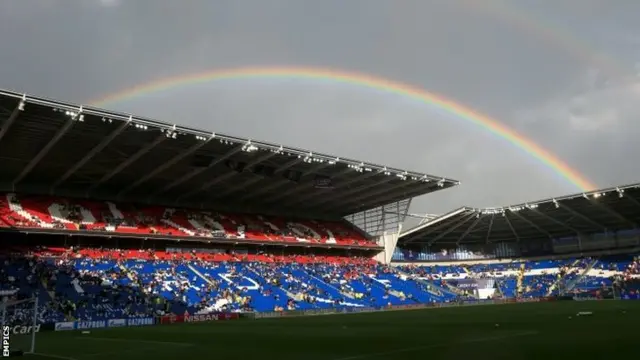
(80,50)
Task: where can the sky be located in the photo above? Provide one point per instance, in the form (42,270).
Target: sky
(564,75)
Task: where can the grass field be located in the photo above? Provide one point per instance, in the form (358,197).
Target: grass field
(524,331)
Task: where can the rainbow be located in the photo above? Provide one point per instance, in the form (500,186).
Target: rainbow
(384,85)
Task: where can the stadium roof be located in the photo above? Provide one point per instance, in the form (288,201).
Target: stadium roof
(50,147)
(589,213)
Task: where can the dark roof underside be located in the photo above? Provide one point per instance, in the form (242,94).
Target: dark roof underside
(591,213)
(48,147)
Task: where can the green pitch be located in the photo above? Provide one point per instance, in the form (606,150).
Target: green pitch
(518,331)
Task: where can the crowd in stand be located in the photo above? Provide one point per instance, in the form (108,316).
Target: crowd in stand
(89,283)
(65,214)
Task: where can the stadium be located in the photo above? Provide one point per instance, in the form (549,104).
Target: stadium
(128,237)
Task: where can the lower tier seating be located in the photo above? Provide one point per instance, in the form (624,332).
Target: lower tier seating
(90,284)
(542,277)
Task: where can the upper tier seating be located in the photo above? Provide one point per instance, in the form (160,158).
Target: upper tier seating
(75,215)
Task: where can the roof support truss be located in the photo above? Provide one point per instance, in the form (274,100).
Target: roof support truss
(12,118)
(309,197)
(455,227)
(228,175)
(198,171)
(560,223)
(468,231)
(244,185)
(615,214)
(379,193)
(486,239)
(130,160)
(429,231)
(297,189)
(282,182)
(174,160)
(633,200)
(44,151)
(510,225)
(583,217)
(103,144)
(532,224)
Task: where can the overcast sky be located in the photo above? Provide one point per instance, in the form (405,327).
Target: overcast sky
(564,75)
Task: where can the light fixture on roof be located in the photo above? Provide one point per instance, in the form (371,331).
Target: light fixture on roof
(249,147)
(75,115)
(141,127)
(23,102)
(597,195)
(308,158)
(555,202)
(620,192)
(357,168)
(171,133)
(201,138)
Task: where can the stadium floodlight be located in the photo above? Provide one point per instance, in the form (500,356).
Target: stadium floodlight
(555,202)
(620,192)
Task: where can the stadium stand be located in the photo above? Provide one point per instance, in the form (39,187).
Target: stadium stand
(107,215)
(115,216)
(567,245)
